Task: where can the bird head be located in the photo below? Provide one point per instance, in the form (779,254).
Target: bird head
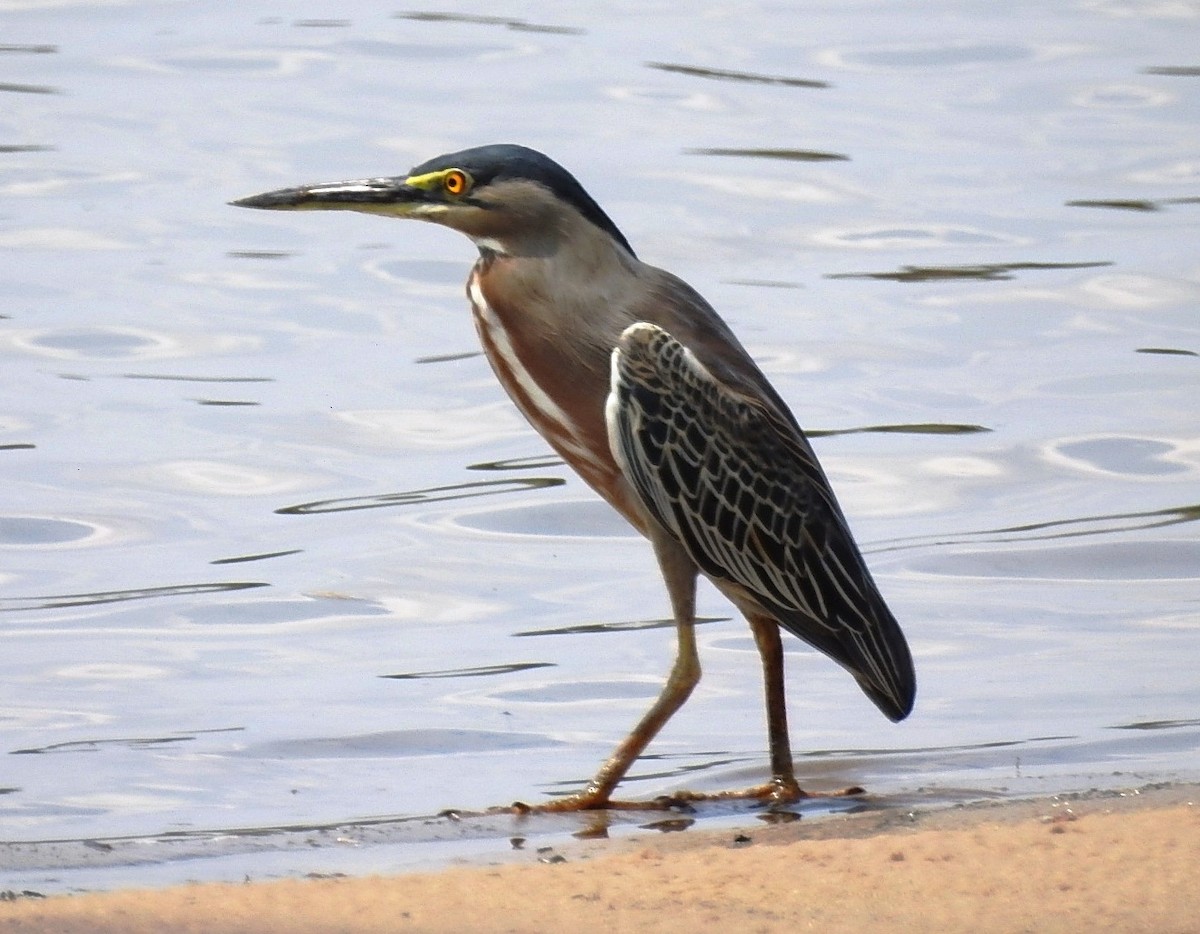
(506,198)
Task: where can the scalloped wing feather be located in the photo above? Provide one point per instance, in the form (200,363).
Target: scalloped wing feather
(736,482)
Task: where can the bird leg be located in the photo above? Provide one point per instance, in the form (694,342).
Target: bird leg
(783,785)
(679,573)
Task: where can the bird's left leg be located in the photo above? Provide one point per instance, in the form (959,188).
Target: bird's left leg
(783,785)
(679,573)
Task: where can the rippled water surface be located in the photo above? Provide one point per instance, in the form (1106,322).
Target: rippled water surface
(278,557)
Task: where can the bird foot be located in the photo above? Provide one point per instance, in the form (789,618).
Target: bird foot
(777,791)
(589,801)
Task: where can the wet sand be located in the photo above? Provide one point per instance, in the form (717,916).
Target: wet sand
(1103,863)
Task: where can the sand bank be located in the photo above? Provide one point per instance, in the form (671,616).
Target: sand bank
(1109,864)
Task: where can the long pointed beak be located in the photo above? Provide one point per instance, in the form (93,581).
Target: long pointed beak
(370,195)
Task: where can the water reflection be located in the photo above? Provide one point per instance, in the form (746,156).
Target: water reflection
(589,518)
(671,824)
(939,774)
(97,598)
(786,815)
(99,342)
(321,23)
(533,462)
(1173,71)
(922,57)
(725,74)
(96,745)
(987,271)
(617,626)
(435,494)
(442,427)
(37,531)
(449,357)
(276,614)
(11,88)
(1169,351)
(785,155)
(34,48)
(1062,528)
(1158,725)
(219,479)
(482,671)
(765,283)
(272,63)
(1122,96)
(67,239)
(580,692)
(176,378)
(929,428)
(1130,204)
(915,235)
(265,556)
(518,25)
(1132,457)
(1097,561)
(394,743)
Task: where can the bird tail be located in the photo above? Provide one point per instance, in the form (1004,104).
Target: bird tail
(876,654)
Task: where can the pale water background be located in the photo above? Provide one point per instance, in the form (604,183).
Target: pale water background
(276,552)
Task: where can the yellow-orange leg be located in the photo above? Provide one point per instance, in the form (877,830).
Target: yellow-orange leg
(680,576)
(679,573)
(683,678)
(783,785)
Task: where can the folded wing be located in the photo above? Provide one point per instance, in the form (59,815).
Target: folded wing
(740,488)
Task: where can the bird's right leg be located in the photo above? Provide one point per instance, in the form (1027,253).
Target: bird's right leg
(679,573)
(783,787)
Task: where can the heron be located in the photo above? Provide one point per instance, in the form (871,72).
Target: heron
(640,386)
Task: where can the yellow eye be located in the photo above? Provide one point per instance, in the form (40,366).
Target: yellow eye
(455,182)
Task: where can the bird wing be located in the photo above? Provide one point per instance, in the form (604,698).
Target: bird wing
(737,484)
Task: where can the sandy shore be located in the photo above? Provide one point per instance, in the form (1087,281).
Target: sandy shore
(1112,864)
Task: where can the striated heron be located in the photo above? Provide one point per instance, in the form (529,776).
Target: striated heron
(640,386)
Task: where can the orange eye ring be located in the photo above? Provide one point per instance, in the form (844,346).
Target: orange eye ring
(455,182)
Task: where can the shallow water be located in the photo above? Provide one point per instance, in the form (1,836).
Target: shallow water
(282,573)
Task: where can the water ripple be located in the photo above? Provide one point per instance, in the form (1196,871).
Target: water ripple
(1130,204)
(991,272)
(1056,528)
(1094,561)
(924,428)
(533,462)
(625,626)
(724,74)
(40,532)
(433,494)
(95,745)
(479,672)
(395,743)
(59,601)
(518,25)
(787,155)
